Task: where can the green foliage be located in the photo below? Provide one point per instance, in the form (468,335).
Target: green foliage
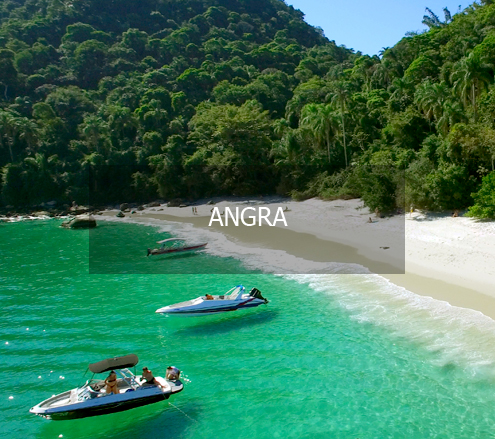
(484,199)
(184,99)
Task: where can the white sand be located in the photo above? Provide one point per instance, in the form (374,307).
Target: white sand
(451,259)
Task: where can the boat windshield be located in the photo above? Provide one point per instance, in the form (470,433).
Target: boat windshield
(234,293)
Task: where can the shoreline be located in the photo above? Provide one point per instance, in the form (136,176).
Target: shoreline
(343,242)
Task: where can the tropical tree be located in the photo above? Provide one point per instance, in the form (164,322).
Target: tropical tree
(340,96)
(470,77)
(430,98)
(322,121)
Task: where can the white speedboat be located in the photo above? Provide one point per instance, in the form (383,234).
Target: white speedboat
(92,399)
(174,246)
(235,299)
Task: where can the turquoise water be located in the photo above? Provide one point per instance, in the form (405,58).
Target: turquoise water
(337,356)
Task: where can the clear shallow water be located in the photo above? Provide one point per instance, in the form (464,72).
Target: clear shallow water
(343,356)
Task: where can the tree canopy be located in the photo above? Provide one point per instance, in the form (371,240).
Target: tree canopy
(167,98)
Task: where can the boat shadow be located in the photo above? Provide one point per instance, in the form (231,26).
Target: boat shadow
(162,258)
(173,421)
(232,323)
(153,421)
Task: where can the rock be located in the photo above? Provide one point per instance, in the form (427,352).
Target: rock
(133,211)
(42,213)
(79,210)
(154,204)
(80,222)
(120,215)
(174,203)
(211,202)
(140,208)
(124,206)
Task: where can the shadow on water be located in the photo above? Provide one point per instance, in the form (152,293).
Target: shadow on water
(150,422)
(171,422)
(163,258)
(214,326)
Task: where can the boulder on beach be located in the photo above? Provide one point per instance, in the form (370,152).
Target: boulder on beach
(124,206)
(211,202)
(120,215)
(80,222)
(42,213)
(140,208)
(154,204)
(174,203)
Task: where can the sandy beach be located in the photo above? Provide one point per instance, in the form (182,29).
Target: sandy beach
(435,255)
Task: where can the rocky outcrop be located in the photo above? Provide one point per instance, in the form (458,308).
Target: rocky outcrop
(80,222)
(174,203)
(42,213)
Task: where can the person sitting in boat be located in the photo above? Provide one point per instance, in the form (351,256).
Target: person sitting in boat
(148,376)
(209,297)
(172,373)
(111,383)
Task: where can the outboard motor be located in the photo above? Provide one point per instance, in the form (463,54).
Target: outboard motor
(257,294)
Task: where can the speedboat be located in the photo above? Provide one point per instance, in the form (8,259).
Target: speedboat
(92,399)
(232,300)
(174,245)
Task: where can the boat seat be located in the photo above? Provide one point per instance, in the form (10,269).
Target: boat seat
(73,396)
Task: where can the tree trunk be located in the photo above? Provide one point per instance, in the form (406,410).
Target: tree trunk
(473,99)
(343,133)
(10,150)
(328,146)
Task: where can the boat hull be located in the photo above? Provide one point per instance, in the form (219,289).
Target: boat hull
(105,409)
(205,311)
(103,405)
(175,251)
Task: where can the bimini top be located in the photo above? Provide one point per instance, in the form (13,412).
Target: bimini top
(114,363)
(169,240)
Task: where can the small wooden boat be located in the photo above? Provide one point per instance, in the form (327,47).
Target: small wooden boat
(174,246)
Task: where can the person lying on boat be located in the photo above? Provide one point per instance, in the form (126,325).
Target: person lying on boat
(111,383)
(148,376)
(209,297)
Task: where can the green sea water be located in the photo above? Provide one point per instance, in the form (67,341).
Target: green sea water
(331,356)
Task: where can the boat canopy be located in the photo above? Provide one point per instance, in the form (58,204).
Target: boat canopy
(114,363)
(169,240)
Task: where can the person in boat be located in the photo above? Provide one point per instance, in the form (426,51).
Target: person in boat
(209,297)
(172,373)
(148,376)
(111,383)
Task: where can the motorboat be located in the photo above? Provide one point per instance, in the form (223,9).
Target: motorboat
(92,399)
(232,300)
(174,246)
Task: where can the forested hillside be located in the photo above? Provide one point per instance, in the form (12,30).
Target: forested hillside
(170,98)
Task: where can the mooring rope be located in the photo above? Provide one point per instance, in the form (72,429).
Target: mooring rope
(184,413)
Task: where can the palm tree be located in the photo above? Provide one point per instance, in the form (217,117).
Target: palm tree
(451,114)
(94,129)
(430,98)
(321,119)
(471,76)
(340,96)
(14,127)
